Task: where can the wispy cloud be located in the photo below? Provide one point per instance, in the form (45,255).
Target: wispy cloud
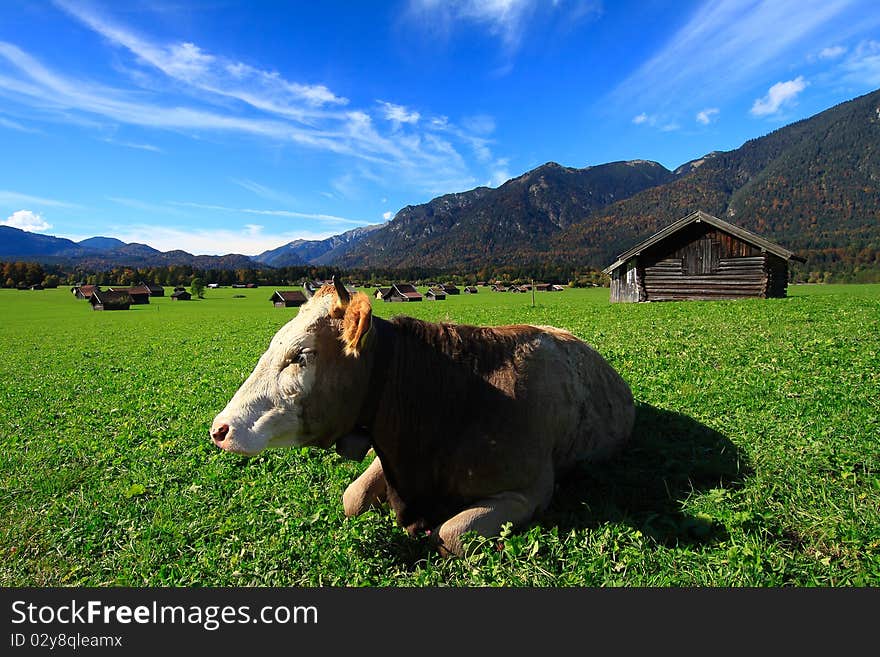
(264,192)
(325,218)
(832,52)
(398,113)
(27,220)
(862,66)
(8,198)
(224,95)
(144,206)
(506,20)
(131,144)
(706,116)
(721,50)
(781,94)
(14,125)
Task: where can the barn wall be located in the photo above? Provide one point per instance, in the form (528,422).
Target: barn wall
(625,286)
(702,262)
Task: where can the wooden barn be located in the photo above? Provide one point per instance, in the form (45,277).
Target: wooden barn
(288,299)
(435,294)
(180,294)
(155,290)
(110,300)
(701,257)
(471,289)
(403,292)
(449,288)
(139,294)
(84,291)
(382,293)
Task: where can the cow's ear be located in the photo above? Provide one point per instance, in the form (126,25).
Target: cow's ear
(356,324)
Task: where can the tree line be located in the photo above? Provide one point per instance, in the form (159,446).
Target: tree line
(25,274)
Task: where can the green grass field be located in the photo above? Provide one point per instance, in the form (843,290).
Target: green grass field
(754,461)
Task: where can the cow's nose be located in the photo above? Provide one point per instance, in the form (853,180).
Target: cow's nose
(219,433)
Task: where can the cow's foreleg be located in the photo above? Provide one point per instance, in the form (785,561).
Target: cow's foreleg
(487,516)
(366,491)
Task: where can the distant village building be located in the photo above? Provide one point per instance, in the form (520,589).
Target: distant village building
(84,291)
(139,294)
(403,292)
(382,293)
(449,288)
(288,298)
(435,294)
(471,289)
(110,300)
(180,294)
(155,290)
(700,257)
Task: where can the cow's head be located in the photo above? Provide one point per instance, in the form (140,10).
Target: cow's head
(309,386)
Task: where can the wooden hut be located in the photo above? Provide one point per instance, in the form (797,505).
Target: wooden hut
(180,294)
(435,294)
(403,292)
(449,288)
(471,289)
(110,300)
(155,290)
(139,294)
(700,257)
(382,293)
(288,299)
(84,291)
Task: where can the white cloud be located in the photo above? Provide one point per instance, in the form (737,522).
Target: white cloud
(707,115)
(779,95)
(249,240)
(832,52)
(27,220)
(399,113)
(387,215)
(640,118)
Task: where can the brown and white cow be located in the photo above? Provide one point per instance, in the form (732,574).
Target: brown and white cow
(471,425)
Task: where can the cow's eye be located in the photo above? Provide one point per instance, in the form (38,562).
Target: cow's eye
(300,358)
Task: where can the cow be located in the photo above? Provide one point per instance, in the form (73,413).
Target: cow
(471,425)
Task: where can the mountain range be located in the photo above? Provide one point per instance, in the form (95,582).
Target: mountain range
(812,186)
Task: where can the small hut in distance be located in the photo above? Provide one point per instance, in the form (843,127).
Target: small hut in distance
(700,257)
(288,299)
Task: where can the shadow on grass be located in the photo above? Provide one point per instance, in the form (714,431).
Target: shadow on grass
(669,457)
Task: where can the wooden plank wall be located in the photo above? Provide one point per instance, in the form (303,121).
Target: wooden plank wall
(705,263)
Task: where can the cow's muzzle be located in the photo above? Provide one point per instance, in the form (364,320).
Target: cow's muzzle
(219,433)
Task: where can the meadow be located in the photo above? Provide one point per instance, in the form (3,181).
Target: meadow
(755,459)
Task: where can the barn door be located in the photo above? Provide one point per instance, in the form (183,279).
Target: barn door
(708,254)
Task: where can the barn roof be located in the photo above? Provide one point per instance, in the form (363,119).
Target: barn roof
(697,217)
(138,289)
(407,290)
(291,295)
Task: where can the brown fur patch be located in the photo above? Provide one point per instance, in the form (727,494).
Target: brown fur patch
(356,323)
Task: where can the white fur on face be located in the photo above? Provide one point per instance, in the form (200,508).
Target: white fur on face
(265,411)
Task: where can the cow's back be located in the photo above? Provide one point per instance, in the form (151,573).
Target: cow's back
(473,411)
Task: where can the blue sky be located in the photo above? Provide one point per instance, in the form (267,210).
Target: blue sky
(220,126)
